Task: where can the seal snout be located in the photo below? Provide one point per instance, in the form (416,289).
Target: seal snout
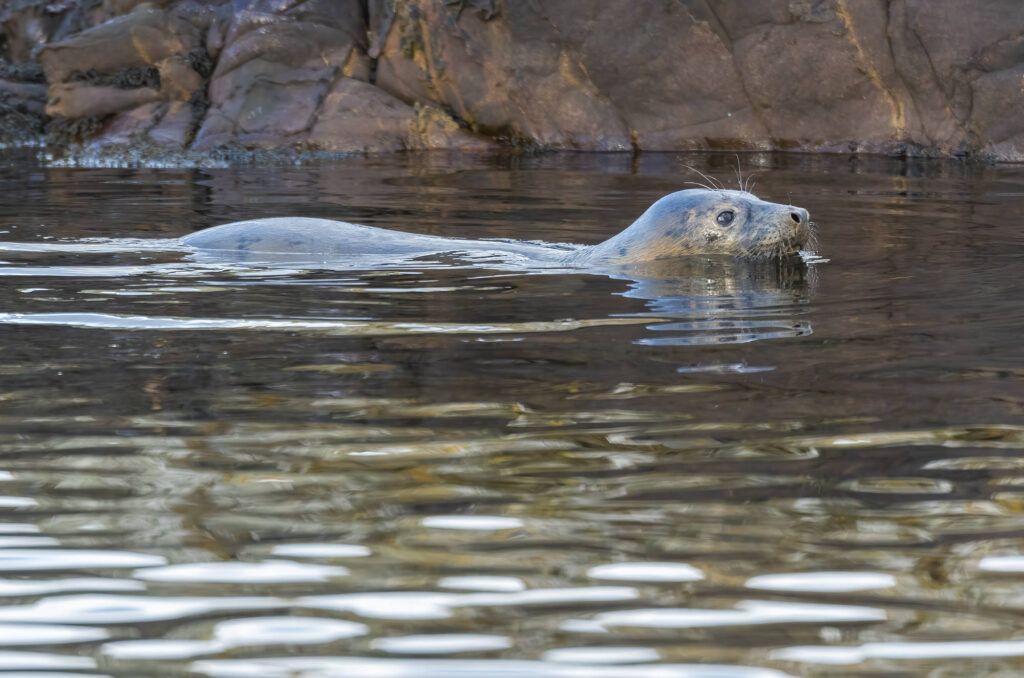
(799,215)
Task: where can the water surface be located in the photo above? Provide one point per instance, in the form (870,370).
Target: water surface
(213,469)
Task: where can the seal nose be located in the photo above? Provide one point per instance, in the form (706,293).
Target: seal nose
(799,215)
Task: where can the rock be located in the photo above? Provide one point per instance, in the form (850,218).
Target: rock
(30,24)
(22,72)
(30,96)
(131,124)
(810,74)
(561,75)
(274,70)
(900,76)
(178,78)
(78,100)
(142,38)
(175,127)
(431,129)
(262,104)
(359,117)
(115,8)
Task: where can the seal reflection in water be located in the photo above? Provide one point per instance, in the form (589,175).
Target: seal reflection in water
(682,224)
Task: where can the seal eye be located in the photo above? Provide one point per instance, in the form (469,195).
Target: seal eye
(725,217)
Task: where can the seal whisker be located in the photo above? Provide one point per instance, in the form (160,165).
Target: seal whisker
(697,183)
(715,185)
(751,180)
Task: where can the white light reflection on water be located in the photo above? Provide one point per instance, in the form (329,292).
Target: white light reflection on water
(825,654)
(602,655)
(483,583)
(108,321)
(321,550)
(48,634)
(73,559)
(233,572)
(1011,563)
(40,661)
(745,613)
(38,587)
(652,572)
(324,667)
(442,643)
(430,605)
(822,582)
(114,609)
(237,633)
(471,522)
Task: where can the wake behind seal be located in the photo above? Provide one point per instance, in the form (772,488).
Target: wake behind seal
(697,221)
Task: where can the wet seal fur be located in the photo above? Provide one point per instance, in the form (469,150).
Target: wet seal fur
(697,221)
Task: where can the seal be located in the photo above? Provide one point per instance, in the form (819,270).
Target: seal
(686,223)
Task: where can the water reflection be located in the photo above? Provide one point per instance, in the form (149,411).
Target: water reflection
(223,470)
(721,300)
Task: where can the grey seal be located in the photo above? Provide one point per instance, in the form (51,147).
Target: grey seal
(695,221)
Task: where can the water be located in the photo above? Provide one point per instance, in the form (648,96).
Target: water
(214,470)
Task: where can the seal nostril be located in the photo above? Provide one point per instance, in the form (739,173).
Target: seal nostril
(795,217)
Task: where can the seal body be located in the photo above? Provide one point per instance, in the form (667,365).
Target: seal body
(685,223)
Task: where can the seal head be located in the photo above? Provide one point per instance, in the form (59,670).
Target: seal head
(702,221)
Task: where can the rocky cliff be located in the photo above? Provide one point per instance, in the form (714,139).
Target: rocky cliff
(898,76)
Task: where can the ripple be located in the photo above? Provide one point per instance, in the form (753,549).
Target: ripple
(899,485)
(17,502)
(265,572)
(29,587)
(483,583)
(483,523)
(39,661)
(442,643)
(160,649)
(1011,563)
(235,633)
(321,550)
(13,560)
(745,613)
(829,654)
(430,605)
(115,609)
(107,321)
(822,582)
(646,571)
(602,655)
(318,667)
(21,542)
(48,634)
(18,528)
(286,630)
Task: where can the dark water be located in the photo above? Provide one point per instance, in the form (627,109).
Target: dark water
(221,471)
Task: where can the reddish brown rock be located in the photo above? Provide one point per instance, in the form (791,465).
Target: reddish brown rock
(358,117)
(826,74)
(274,70)
(934,76)
(174,127)
(141,38)
(81,100)
(131,124)
(178,79)
(555,75)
